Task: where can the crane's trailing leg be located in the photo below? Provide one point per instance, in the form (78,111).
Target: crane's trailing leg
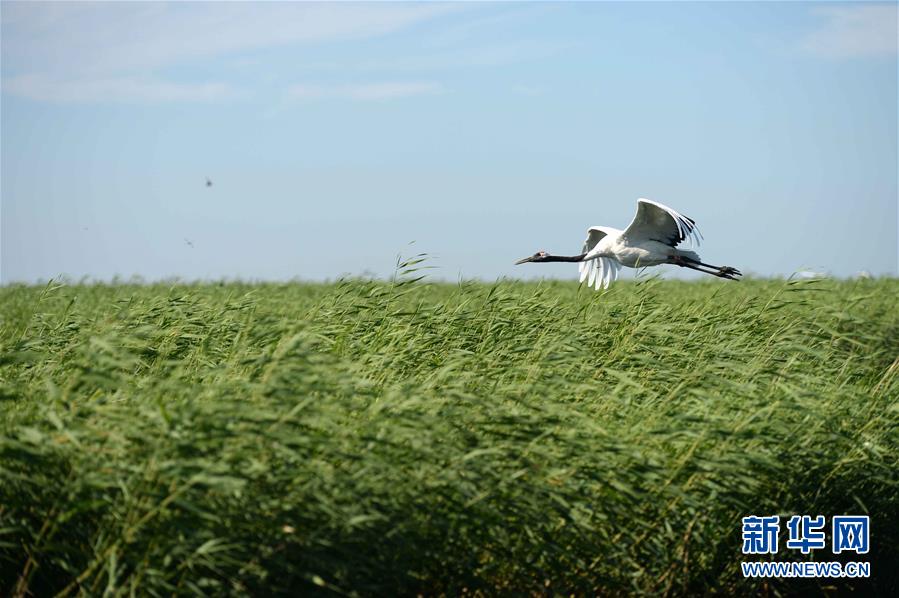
(728,272)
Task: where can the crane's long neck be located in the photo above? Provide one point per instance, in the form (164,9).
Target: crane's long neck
(564,258)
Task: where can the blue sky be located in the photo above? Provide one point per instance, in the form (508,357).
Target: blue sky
(337,134)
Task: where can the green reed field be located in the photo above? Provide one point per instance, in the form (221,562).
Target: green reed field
(373,438)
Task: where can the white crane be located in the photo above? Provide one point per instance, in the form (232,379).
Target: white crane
(651,239)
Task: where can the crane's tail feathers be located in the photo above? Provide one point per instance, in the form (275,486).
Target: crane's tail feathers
(689,255)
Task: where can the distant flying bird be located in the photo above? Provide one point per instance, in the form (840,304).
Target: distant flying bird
(208,182)
(651,239)
(189,242)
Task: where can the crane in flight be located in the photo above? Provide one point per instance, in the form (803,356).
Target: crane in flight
(651,239)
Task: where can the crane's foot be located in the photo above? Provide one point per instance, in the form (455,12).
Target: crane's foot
(727,276)
(728,272)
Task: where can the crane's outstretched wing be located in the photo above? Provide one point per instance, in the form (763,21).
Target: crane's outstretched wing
(595,234)
(601,271)
(658,222)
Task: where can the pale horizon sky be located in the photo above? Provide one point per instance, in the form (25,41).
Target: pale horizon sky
(336,134)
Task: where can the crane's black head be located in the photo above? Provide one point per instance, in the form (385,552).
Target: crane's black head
(540,256)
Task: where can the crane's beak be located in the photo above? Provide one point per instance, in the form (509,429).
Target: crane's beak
(525,260)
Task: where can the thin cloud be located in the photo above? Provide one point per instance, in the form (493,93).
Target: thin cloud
(486,56)
(490,55)
(512,15)
(115,89)
(64,51)
(364,92)
(854,31)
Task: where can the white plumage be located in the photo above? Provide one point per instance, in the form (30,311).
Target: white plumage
(650,239)
(601,270)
